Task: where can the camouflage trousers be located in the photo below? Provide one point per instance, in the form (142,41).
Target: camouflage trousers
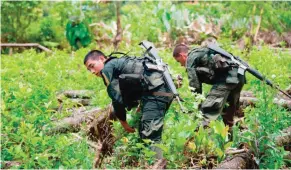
(153,109)
(219,95)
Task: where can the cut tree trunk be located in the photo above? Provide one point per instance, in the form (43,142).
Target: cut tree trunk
(239,161)
(83,94)
(10,164)
(248,99)
(160,164)
(285,139)
(77,97)
(26,45)
(73,123)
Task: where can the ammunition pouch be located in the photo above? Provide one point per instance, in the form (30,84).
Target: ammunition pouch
(221,64)
(153,67)
(153,75)
(131,88)
(205,74)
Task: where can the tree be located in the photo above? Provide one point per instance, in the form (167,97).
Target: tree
(17,17)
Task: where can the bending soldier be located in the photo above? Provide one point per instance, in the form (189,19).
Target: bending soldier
(129,80)
(204,65)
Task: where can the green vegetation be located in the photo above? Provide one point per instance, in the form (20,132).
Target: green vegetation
(45,21)
(30,80)
(29,85)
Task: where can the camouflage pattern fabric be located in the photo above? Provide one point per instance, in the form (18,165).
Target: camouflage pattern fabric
(215,103)
(153,110)
(206,66)
(153,107)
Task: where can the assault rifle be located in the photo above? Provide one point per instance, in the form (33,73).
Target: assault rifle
(243,66)
(152,54)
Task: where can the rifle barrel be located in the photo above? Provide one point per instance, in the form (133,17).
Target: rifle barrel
(259,76)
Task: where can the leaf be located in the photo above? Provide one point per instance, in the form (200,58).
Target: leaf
(219,152)
(163,147)
(227,145)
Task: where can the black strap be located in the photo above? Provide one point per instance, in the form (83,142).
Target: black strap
(160,94)
(116,52)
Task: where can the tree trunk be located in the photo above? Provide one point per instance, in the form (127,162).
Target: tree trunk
(118,36)
(259,25)
(239,161)
(73,124)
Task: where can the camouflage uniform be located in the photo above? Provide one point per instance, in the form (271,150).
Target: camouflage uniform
(206,66)
(154,99)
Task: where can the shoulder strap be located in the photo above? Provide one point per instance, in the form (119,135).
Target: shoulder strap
(121,53)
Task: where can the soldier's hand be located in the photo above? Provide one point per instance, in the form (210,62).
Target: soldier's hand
(179,81)
(129,129)
(126,127)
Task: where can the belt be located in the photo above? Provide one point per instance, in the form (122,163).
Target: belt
(160,94)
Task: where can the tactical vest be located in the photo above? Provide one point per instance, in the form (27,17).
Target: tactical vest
(137,76)
(211,67)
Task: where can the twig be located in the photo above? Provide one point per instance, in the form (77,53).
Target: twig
(232,152)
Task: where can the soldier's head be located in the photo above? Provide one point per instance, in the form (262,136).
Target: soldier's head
(94,61)
(180,53)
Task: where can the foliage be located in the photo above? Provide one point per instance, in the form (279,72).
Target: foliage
(17,17)
(77,34)
(45,22)
(264,123)
(31,80)
(28,92)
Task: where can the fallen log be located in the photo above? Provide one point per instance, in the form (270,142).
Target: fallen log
(248,99)
(73,123)
(26,45)
(284,139)
(10,164)
(83,94)
(239,161)
(81,102)
(78,98)
(160,164)
(98,129)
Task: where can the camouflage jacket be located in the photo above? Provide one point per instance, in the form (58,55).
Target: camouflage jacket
(114,67)
(204,65)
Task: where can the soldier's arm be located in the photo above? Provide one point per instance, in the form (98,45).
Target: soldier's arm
(194,81)
(193,62)
(114,94)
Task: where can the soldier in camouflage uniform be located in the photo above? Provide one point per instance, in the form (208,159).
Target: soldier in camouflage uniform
(204,65)
(129,80)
